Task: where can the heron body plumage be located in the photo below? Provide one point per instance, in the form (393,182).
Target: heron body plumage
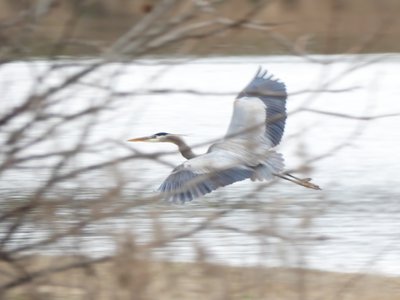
(257,125)
(204,174)
(245,150)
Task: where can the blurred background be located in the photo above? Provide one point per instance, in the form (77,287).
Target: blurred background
(327,26)
(80,216)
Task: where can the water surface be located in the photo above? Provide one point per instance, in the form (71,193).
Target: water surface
(352,225)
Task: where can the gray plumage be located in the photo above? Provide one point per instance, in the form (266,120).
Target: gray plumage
(245,152)
(185,185)
(257,125)
(273,93)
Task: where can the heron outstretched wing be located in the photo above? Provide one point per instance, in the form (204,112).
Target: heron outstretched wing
(257,124)
(261,103)
(206,173)
(203,174)
(185,184)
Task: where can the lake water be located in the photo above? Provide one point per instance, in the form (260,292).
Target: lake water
(352,225)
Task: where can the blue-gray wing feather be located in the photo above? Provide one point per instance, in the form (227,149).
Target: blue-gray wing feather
(184,185)
(273,93)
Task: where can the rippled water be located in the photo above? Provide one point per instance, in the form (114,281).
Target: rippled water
(355,219)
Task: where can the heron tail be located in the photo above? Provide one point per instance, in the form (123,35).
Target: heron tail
(273,164)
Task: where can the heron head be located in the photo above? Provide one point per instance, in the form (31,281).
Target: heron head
(155,138)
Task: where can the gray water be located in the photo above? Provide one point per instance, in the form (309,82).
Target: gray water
(351,225)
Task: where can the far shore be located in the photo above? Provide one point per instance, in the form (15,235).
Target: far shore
(288,27)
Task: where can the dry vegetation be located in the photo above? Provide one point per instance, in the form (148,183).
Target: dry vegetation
(326,26)
(130,275)
(36,220)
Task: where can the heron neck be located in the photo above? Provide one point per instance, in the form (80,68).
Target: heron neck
(184,149)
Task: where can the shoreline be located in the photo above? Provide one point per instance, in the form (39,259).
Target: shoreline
(279,27)
(128,273)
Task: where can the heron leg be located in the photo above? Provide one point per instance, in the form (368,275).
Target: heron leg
(297,178)
(300,181)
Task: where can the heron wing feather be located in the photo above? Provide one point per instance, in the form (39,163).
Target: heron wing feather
(208,172)
(257,124)
(184,184)
(272,93)
(248,120)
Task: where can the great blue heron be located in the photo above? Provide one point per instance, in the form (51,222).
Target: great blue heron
(246,151)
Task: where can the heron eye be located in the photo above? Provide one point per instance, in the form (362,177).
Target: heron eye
(161,134)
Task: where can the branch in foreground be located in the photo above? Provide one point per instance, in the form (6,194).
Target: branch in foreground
(41,273)
(346,116)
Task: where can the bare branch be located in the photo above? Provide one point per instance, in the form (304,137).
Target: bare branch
(346,116)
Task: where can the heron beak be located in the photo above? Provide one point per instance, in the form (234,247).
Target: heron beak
(141,139)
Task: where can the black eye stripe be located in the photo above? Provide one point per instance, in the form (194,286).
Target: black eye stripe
(161,134)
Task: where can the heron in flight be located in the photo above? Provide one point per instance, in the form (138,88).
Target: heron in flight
(246,151)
